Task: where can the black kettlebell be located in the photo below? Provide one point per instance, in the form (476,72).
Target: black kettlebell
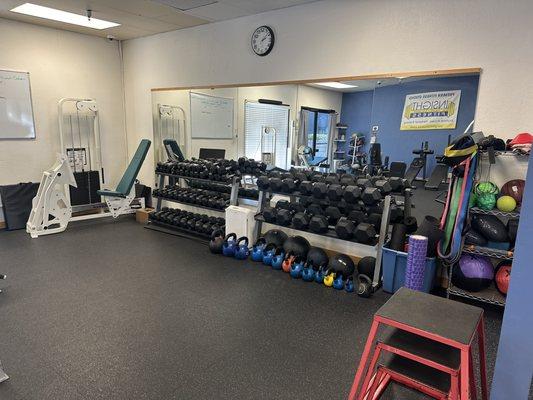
(215,245)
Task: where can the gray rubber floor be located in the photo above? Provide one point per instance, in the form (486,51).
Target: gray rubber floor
(109,310)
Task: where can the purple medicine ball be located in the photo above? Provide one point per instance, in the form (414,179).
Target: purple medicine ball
(473,273)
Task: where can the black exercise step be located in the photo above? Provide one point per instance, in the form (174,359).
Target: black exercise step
(419,372)
(423,347)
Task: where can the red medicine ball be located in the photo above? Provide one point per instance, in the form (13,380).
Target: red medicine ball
(502,277)
(515,189)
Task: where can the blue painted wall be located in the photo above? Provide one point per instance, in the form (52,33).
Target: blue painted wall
(514,362)
(386,108)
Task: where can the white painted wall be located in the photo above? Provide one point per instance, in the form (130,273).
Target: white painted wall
(61,64)
(293,95)
(354,38)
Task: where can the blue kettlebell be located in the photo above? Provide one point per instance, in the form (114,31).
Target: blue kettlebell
(277,259)
(338,283)
(296,268)
(349,285)
(257,250)
(308,273)
(229,245)
(268,253)
(319,275)
(241,250)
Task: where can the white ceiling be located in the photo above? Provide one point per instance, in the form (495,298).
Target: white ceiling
(147,17)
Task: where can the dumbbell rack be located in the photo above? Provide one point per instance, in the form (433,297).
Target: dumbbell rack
(180,180)
(358,248)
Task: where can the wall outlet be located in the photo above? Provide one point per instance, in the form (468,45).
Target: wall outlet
(375,128)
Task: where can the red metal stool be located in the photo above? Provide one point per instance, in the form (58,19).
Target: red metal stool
(432,346)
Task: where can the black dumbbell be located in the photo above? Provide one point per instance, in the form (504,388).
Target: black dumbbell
(315,209)
(335,192)
(283,204)
(275,184)
(356,216)
(333,214)
(365,233)
(396,184)
(384,186)
(345,228)
(263,182)
(352,193)
(306,187)
(301,221)
(363,183)
(320,190)
(269,214)
(396,214)
(288,185)
(318,224)
(375,220)
(371,196)
(332,179)
(347,180)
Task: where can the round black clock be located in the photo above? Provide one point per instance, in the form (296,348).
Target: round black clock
(263,40)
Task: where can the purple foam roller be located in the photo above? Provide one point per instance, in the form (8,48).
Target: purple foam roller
(416,262)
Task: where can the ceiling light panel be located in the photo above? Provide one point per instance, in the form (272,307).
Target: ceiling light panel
(63,16)
(336,85)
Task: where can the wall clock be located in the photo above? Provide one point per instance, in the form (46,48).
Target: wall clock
(263,40)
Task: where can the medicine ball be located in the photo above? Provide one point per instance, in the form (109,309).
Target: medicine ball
(491,227)
(276,237)
(297,246)
(366,266)
(475,238)
(473,273)
(506,203)
(502,277)
(515,189)
(342,264)
(317,257)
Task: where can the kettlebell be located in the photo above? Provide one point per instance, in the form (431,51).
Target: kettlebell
(364,286)
(338,283)
(268,253)
(217,238)
(277,258)
(257,250)
(241,249)
(348,286)
(319,275)
(308,273)
(329,277)
(287,262)
(296,268)
(229,245)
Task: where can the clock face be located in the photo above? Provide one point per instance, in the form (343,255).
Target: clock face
(263,40)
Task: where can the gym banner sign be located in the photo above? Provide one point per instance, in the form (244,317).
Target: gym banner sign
(431,110)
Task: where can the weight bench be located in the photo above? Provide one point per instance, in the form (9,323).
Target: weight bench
(51,209)
(119,200)
(173,150)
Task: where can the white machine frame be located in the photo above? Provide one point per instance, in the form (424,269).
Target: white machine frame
(168,113)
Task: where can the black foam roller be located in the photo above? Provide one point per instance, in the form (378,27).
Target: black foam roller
(430,229)
(397,241)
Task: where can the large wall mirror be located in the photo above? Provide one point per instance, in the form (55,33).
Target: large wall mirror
(327,124)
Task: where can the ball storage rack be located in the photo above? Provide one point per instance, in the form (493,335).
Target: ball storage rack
(357,248)
(489,295)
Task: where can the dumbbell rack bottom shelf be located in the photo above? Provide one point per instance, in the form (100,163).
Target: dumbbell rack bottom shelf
(329,233)
(177,231)
(189,204)
(489,295)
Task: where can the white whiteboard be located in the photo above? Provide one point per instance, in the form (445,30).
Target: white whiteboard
(211,117)
(16,112)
